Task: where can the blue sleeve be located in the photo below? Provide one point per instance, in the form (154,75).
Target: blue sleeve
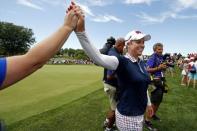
(150,62)
(110,72)
(3,65)
(113,53)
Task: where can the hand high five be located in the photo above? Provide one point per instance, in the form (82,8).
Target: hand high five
(76,16)
(72,17)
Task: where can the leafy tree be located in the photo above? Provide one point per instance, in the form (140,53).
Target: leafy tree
(15,39)
(80,54)
(75,53)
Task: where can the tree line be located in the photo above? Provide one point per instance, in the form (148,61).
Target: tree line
(72,53)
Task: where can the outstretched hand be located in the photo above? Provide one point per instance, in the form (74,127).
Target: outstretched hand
(72,17)
(80,25)
(149,111)
(81,22)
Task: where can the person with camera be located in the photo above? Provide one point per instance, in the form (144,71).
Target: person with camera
(108,45)
(156,67)
(110,82)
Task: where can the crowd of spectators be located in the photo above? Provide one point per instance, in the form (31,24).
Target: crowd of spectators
(69,61)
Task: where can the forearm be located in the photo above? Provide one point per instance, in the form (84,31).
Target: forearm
(109,62)
(152,70)
(148,98)
(44,50)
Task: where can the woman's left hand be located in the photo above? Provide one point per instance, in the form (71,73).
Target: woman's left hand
(149,111)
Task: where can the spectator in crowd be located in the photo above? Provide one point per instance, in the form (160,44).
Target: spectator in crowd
(180,62)
(184,72)
(156,66)
(192,71)
(110,82)
(171,65)
(108,45)
(133,79)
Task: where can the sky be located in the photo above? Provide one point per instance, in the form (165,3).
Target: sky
(171,22)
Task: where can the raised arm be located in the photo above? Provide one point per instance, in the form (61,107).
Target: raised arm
(109,62)
(18,67)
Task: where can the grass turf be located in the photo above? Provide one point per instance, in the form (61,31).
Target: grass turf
(47,89)
(178,111)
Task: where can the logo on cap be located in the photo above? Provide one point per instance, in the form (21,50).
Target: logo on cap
(138,32)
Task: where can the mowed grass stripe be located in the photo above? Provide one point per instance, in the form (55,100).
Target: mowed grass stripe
(50,87)
(84,114)
(178,112)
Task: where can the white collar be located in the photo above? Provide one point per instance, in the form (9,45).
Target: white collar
(133,59)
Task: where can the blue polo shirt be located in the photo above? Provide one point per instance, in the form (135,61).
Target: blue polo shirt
(154,61)
(114,82)
(133,80)
(2,70)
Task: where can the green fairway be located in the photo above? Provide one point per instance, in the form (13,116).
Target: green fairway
(49,88)
(82,107)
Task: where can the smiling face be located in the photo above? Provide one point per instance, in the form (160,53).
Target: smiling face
(136,47)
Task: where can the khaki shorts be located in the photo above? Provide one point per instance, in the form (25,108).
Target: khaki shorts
(110,91)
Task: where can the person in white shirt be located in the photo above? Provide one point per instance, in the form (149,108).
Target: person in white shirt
(184,72)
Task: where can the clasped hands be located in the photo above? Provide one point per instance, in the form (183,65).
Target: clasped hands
(74,19)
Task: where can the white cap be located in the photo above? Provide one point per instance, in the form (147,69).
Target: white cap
(136,35)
